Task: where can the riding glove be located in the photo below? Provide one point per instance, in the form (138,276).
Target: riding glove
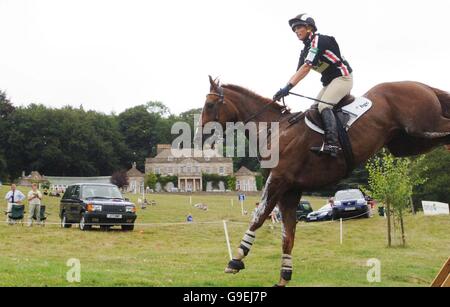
(283,92)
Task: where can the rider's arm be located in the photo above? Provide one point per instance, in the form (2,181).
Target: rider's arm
(300,74)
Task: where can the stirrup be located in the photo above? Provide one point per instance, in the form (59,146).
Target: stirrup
(318,150)
(331,150)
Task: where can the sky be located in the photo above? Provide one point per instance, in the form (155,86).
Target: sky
(112,55)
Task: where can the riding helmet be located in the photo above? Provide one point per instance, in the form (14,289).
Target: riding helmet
(304,20)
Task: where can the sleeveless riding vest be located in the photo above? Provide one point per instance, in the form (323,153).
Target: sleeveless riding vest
(323,54)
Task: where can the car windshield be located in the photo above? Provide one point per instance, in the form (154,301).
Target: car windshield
(101,191)
(325,208)
(348,195)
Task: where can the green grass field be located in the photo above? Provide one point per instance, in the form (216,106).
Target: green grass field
(156,254)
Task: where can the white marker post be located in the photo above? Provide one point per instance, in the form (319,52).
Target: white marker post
(190,200)
(241,199)
(341,230)
(232,203)
(227,238)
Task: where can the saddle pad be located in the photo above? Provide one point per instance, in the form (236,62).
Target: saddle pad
(355,110)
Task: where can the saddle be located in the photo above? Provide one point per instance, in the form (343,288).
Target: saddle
(313,114)
(342,119)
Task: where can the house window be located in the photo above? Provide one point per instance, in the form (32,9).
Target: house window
(189,169)
(157,171)
(221,171)
(170,159)
(170,170)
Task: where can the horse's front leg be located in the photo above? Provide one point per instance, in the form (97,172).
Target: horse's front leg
(288,208)
(272,193)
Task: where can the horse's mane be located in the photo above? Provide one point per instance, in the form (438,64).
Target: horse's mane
(250,94)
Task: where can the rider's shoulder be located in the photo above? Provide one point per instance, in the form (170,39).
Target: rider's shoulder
(326,39)
(324,36)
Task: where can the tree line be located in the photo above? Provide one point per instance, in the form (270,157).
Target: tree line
(71,141)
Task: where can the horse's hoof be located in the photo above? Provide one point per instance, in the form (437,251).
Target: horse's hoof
(231,271)
(278,286)
(234,266)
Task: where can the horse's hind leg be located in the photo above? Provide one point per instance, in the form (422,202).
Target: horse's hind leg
(288,208)
(440,129)
(272,191)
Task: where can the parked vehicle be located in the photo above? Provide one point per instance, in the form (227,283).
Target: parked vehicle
(89,204)
(323,214)
(350,203)
(303,209)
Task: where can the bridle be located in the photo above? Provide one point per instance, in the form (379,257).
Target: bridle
(221,100)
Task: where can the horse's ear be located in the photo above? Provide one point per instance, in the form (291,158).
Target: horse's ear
(213,83)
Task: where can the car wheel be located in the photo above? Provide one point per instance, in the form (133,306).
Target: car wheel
(83,225)
(64,223)
(128,227)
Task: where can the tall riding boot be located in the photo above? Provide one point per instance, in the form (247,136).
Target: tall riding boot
(331,145)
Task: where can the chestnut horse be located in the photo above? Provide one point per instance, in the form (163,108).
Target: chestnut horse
(409,118)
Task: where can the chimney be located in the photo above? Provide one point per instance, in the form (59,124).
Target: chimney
(161,147)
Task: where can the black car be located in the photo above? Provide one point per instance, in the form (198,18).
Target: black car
(89,204)
(303,209)
(325,213)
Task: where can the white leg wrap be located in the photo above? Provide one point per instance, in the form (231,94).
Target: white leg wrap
(246,243)
(286,262)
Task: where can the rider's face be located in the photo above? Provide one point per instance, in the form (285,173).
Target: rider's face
(302,32)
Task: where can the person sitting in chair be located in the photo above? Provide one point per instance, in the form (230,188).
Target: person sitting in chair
(13,197)
(322,54)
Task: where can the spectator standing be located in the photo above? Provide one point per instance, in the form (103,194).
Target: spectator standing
(34,202)
(13,197)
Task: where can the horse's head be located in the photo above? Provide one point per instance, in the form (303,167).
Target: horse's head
(218,108)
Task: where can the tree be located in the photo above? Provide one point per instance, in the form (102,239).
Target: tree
(143,127)
(6,109)
(151,180)
(120,179)
(391,182)
(157,107)
(259,182)
(231,183)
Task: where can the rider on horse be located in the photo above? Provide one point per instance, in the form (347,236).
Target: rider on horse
(322,54)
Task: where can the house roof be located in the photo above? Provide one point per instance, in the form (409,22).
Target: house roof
(35,176)
(134,172)
(243,171)
(178,155)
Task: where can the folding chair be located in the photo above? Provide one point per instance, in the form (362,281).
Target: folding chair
(43,215)
(17,213)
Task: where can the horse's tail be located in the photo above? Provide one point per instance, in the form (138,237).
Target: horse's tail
(444,99)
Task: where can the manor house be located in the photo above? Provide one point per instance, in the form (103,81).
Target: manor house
(188,165)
